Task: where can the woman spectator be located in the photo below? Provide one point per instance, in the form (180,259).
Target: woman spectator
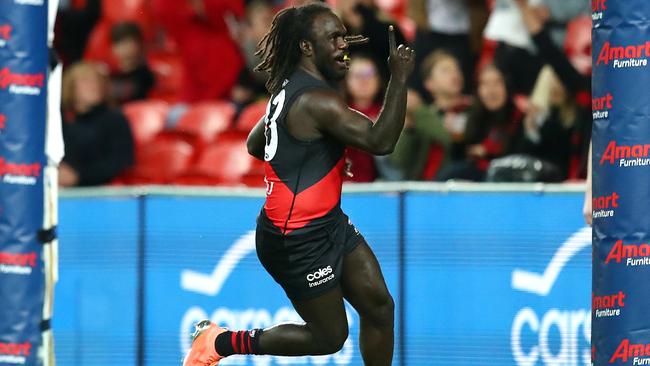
(492,126)
(434,135)
(442,24)
(364,87)
(563,129)
(98,140)
(556,128)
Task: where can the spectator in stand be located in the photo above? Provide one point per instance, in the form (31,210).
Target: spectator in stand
(363,17)
(98,139)
(434,136)
(250,85)
(516,51)
(559,13)
(364,87)
(259,16)
(441,24)
(558,129)
(211,58)
(575,77)
(492,126)
(73,26)
(133,79)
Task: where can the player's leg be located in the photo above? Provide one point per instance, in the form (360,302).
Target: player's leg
(364,287)
(324,332)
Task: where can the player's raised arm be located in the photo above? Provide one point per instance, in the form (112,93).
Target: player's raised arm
(334,118)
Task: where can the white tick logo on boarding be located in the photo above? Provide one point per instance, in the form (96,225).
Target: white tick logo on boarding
(574,325)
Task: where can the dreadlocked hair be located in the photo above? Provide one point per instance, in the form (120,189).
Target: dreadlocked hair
(279,49)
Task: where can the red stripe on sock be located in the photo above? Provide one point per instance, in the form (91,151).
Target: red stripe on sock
(233,341)
(250,349)
(241,340)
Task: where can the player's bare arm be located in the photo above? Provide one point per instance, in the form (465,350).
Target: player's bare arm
(330,114)
(256,140)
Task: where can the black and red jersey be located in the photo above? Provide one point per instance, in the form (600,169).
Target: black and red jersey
(303,178)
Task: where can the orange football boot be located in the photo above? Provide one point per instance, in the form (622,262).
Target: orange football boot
(203,352)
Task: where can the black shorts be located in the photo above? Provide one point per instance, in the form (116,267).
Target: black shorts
(307,265)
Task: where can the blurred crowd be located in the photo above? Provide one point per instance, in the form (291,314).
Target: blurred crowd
(164,92)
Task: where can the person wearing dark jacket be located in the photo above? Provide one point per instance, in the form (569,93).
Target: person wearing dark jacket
(73,27)
(132,79)
(492,126)
(563,136)
(98,140)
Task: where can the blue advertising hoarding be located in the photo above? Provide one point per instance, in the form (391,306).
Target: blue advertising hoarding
(23,70)
(621,156)
(205,260)
(497,279)
(490,278)
(96,299)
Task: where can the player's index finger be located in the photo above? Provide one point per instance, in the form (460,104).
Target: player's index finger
(391,38)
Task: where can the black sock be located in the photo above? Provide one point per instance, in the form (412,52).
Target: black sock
(244,342)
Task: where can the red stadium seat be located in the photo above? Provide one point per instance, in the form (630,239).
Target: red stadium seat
(160,162)
(168,70)
(255,175)
(116,10)
(224,163)
(251,115)
(128,10)
(98,47)
(232,135)
(206,120)
(146,118)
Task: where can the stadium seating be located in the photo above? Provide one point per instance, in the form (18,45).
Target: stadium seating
(120,10)
(160,162)
(146,118)
(226,162)
(98,48)
(251,115)
(167,68)
(206,120)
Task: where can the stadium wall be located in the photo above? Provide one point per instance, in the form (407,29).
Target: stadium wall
(481,274)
